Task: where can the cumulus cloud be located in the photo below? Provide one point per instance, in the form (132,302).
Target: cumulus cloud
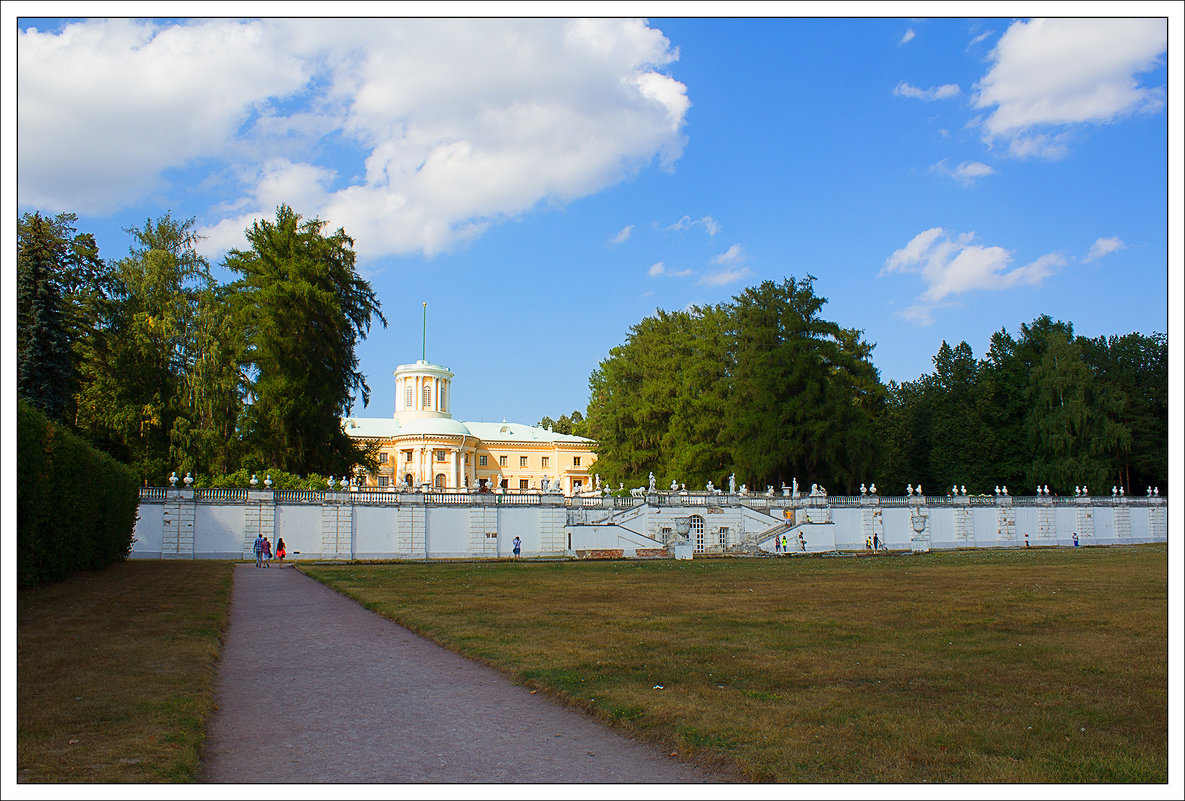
(967,173)
(904,89)
(723,277)
(907,37)
(685,223)
(412,134)
(622,235)
(952,265)
(734,255)
(1102,246)
(1058,72)
(659,270)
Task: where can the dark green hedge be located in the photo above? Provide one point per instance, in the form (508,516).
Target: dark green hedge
(76,506)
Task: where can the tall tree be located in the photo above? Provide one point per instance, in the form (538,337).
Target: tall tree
(44,368)
(804,391)
(59,279)
(304,309)
(131,395)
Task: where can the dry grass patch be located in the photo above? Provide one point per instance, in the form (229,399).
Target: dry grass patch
(115,672)
(985,666)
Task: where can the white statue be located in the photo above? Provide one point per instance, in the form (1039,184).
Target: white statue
(675,486)
(652,486)
(710,488)
(909,490)
(744,489)
(732,484)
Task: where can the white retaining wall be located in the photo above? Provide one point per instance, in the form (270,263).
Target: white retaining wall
(223,524)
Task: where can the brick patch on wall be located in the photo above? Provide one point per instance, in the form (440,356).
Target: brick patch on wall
(601,553)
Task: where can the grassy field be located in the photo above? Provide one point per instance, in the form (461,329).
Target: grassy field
(1039,665)
(115,672)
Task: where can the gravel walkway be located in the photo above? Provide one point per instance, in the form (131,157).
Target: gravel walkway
(313,688)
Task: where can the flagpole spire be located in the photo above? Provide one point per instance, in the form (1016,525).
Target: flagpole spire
(424,340)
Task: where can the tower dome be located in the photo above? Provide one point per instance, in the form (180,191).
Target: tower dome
(422,390)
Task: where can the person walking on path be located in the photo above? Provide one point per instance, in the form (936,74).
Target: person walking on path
(267,552)
(281,551)
(259,551)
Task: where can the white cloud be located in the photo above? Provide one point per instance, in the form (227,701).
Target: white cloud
(1057,72)
(903,89)
(622,235)
(907,37)
(685,223)
(722,277)
(659,270)
(978,39)
(1102,246)
(412,134)
(966,173)
(954,265)
(734,255)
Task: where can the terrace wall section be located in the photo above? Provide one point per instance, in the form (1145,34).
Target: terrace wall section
(223,524)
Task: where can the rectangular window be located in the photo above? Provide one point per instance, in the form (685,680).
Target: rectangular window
(502,460)
(441,456)
(383,458)
(481,461)
(382,481)
(546,462)
(576,461)
(699,541)
(522,461)
(523,484)
(724,536)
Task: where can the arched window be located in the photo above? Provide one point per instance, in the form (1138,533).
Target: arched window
(697,532)
(427,395)
(409,398)
(441,481)
(409,480)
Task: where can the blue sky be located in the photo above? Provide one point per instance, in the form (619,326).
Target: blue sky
(545,184)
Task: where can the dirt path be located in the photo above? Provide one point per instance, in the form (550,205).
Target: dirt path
(314,688)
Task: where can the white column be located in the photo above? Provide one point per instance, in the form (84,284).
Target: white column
(456,469)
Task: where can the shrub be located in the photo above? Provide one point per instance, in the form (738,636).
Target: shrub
(280,480)
(76,506)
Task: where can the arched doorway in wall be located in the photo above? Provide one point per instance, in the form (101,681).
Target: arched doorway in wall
(441,481)
(697,533)
(409,480)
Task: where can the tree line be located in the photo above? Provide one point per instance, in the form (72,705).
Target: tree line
(156,362)
(764,387)
(153,360)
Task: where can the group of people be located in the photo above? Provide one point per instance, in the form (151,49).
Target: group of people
(263,551)
(875,543)
(782,543)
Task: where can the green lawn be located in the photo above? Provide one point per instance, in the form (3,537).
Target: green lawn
(1032,665)
(115,672)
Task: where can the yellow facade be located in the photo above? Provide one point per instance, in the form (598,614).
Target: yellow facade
(423,446)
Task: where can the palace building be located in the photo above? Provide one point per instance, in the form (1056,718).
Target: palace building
(423,446)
